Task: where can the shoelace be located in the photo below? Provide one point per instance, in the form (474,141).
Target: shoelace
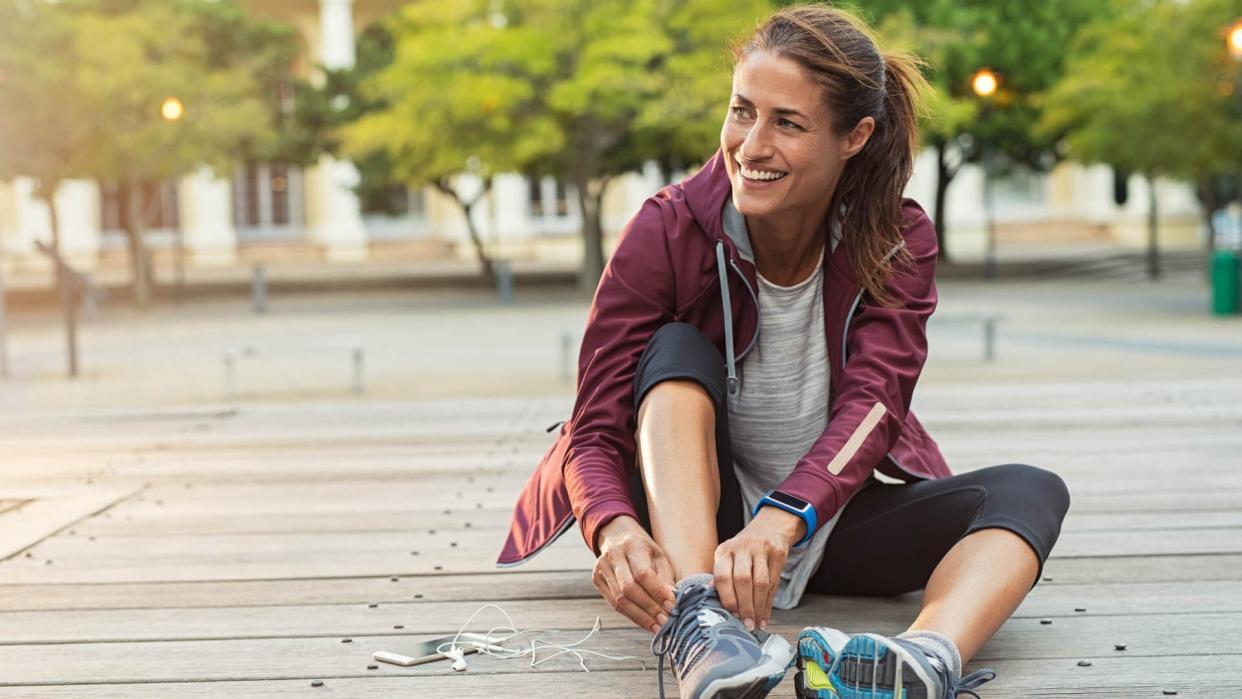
(967,684)
(964,685)
(682,635)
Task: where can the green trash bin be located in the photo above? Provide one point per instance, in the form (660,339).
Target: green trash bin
(1225,282)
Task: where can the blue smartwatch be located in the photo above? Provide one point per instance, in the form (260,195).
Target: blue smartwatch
(792,505)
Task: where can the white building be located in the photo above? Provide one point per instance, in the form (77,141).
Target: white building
(271,211)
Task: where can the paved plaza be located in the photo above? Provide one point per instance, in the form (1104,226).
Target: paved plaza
(169,531)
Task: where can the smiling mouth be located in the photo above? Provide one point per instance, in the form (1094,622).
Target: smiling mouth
(760,175)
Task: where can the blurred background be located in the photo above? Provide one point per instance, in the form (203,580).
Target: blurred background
(290,291)
(207,200)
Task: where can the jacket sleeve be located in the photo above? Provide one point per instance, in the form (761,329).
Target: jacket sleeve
(887,346)
(632,301)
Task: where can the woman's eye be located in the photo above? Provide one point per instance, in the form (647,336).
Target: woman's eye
(786,122)
(739,112)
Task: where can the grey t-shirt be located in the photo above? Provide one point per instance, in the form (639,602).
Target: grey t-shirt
(782,409)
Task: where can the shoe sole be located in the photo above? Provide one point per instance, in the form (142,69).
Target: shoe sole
(757,682)
(872,667)
(816,656)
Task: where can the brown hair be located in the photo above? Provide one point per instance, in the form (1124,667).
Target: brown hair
(838,51)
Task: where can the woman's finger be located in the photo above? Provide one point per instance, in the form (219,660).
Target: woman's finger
(603,582)
(634,576)
(743,587)
(762,586)
(667,579)
(637,614)
(722,571)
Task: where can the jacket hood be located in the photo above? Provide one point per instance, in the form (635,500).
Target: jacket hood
(706,193)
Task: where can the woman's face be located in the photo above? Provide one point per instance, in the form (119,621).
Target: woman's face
(780,151)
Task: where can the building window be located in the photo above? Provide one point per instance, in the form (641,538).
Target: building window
(394,213)
(562,199)
(267,200)
(535,188)
(549,198)
(159,199)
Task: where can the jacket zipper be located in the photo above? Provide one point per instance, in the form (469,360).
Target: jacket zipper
(754,298)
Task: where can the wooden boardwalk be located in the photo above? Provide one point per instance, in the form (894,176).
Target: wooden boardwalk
(201,553)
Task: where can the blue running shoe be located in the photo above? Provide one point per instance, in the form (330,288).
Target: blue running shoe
(818,649)
(877,667)
(713,655)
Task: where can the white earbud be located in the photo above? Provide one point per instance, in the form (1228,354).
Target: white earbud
(459,658)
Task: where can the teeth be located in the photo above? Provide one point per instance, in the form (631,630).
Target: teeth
(759,174)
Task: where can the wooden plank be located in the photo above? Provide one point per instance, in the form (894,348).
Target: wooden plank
(48,510)
(515,585)
(171,523)
(1065,641)
(578,611)
(1116,676)
(195,565)
(458,546)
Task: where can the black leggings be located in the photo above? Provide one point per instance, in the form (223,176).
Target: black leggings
(890,537)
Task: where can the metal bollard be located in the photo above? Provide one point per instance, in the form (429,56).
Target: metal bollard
(230,384)
(359,386)
(989,339)
(504,282)
(258,289)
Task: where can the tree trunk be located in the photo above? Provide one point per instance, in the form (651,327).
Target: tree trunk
(1153,248)
(944,175)
(467,207)
(139,262)
(1207,198)
(49,199)
(590,200)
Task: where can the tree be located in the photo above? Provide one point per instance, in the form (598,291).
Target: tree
(1023,42)
(1144,93)
(581,89)
(132,91)
(42,121)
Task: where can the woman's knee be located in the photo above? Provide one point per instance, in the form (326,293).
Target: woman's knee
(679,352)
(1032,480)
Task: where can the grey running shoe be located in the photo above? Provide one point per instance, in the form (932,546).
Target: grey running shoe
(878,667)
(713,655)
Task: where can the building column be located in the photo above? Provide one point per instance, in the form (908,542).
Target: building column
(77,207)
(206,212)
(334,216)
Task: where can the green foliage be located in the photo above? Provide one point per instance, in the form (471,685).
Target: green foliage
(1023,42)
(42,118)
(85,81)
(580,89)
(1153,90)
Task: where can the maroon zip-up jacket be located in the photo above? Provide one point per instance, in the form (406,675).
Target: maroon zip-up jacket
(668,266)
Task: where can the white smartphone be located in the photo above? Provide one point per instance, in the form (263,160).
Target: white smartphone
(426,651)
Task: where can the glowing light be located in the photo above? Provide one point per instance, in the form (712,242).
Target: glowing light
(984,82)
(1235,39)
(172,109)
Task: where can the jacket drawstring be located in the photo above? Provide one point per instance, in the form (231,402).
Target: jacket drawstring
(731,380)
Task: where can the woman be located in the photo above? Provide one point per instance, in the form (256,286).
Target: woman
(747,367)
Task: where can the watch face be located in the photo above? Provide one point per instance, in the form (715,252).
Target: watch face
(786,499)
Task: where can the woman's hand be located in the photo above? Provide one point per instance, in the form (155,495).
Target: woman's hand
(748,566)
(633,574)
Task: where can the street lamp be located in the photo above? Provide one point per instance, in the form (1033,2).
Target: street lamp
(1235,40)
(984,83)
(172,109)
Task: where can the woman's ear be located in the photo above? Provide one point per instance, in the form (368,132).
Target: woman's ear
(858,138)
